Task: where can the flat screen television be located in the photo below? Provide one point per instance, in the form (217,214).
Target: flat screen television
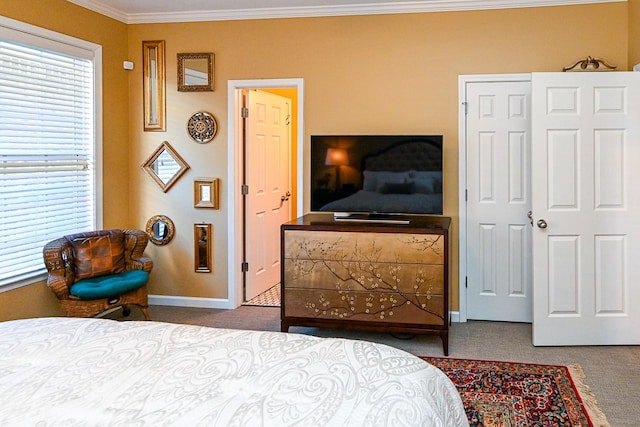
(376,174)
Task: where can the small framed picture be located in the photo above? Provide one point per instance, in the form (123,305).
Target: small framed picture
(206,193)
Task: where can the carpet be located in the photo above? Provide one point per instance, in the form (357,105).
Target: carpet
(269,298)
(522,394)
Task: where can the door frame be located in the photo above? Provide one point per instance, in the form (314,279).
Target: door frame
(462,173)
(235,172)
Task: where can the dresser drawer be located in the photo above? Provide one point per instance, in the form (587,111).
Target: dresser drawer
(386,307)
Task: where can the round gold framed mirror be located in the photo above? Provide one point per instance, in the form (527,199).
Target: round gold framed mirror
(160,229)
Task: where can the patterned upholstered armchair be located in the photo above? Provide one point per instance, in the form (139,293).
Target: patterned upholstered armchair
(99,270)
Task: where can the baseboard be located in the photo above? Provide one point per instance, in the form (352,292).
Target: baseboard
(194,302)
(223,304)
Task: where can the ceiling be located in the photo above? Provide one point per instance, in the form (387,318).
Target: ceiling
(149,11)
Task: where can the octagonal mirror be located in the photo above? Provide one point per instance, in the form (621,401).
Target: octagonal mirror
(165,166)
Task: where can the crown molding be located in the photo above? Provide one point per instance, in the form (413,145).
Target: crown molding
(419,6)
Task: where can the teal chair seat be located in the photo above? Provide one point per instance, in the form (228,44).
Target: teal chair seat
(109,286)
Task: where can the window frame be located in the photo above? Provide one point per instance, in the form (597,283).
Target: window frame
(32,35)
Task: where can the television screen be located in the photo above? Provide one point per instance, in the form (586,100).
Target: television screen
(376,174)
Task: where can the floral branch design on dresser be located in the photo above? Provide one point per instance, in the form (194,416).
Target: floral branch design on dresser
(372,279)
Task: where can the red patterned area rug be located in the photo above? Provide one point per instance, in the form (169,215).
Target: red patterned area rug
(522,394)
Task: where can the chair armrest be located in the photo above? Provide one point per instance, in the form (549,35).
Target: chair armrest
(143,263)
(58,259)
(135,243)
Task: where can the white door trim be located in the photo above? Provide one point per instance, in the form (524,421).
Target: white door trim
(235,168)
(462,172)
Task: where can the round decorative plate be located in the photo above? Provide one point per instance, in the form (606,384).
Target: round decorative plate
(202,127)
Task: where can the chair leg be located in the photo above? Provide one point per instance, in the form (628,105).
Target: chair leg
(145,311)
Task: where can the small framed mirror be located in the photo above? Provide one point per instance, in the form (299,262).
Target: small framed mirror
(154,85)
(195,72)
(165,166)
(202,240)
(160,229)
(206,193)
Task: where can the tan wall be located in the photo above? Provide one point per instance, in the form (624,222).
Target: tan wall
(362,74)
(634,32)
(65,17)
(389,74)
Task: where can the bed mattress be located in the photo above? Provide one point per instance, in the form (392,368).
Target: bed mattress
(98,372)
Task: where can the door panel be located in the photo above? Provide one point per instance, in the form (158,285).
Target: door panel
(268,178)
(498,200)
(585,152)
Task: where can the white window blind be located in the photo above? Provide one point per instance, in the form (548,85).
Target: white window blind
(47,153)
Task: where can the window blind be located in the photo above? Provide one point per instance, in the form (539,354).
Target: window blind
(47,158)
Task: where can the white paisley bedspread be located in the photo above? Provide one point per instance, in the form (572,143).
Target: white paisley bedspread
(96,372)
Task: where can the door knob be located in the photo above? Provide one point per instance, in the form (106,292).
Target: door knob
(530,216)
(285,197)
(542,223)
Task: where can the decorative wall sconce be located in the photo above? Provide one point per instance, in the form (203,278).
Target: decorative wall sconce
(203,239)
(154,85)
(206,193)
(165,166)
(195,72)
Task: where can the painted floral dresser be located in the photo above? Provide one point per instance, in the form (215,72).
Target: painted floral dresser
(381,276)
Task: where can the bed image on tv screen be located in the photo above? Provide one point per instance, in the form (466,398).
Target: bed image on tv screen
(379,174)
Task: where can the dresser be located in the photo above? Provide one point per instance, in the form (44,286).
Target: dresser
(366,274)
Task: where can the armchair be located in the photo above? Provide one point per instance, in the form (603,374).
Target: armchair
(99,270)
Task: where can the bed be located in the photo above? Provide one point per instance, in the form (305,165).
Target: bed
(69,371)
(406,178)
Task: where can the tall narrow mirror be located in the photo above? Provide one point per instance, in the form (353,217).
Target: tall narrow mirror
(165,166)
(203,240)
(195,72)
(154,85)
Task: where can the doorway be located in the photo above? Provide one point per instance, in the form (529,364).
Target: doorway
(237,237)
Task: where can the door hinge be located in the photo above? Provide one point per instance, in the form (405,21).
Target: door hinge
(245,267)
(466,109)
(466,282)
(244,112)
(466,195)
(244,189)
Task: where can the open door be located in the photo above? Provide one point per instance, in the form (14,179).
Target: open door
(586,213)
(268,181)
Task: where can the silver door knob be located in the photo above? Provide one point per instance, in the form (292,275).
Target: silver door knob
(542,223)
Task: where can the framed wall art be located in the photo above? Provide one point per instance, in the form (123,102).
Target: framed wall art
(206,193)
(202,242)
(195,72)
(155,107)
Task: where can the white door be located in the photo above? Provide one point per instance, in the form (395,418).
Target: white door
(498,200)
(586,207)
(267,170)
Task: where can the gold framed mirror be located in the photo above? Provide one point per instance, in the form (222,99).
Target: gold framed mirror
(160,229)
(165,166)
(202,241)
(206,193)
(195,72)
(155,107)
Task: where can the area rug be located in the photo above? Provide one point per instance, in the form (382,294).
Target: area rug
(509,394)
(269,298)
